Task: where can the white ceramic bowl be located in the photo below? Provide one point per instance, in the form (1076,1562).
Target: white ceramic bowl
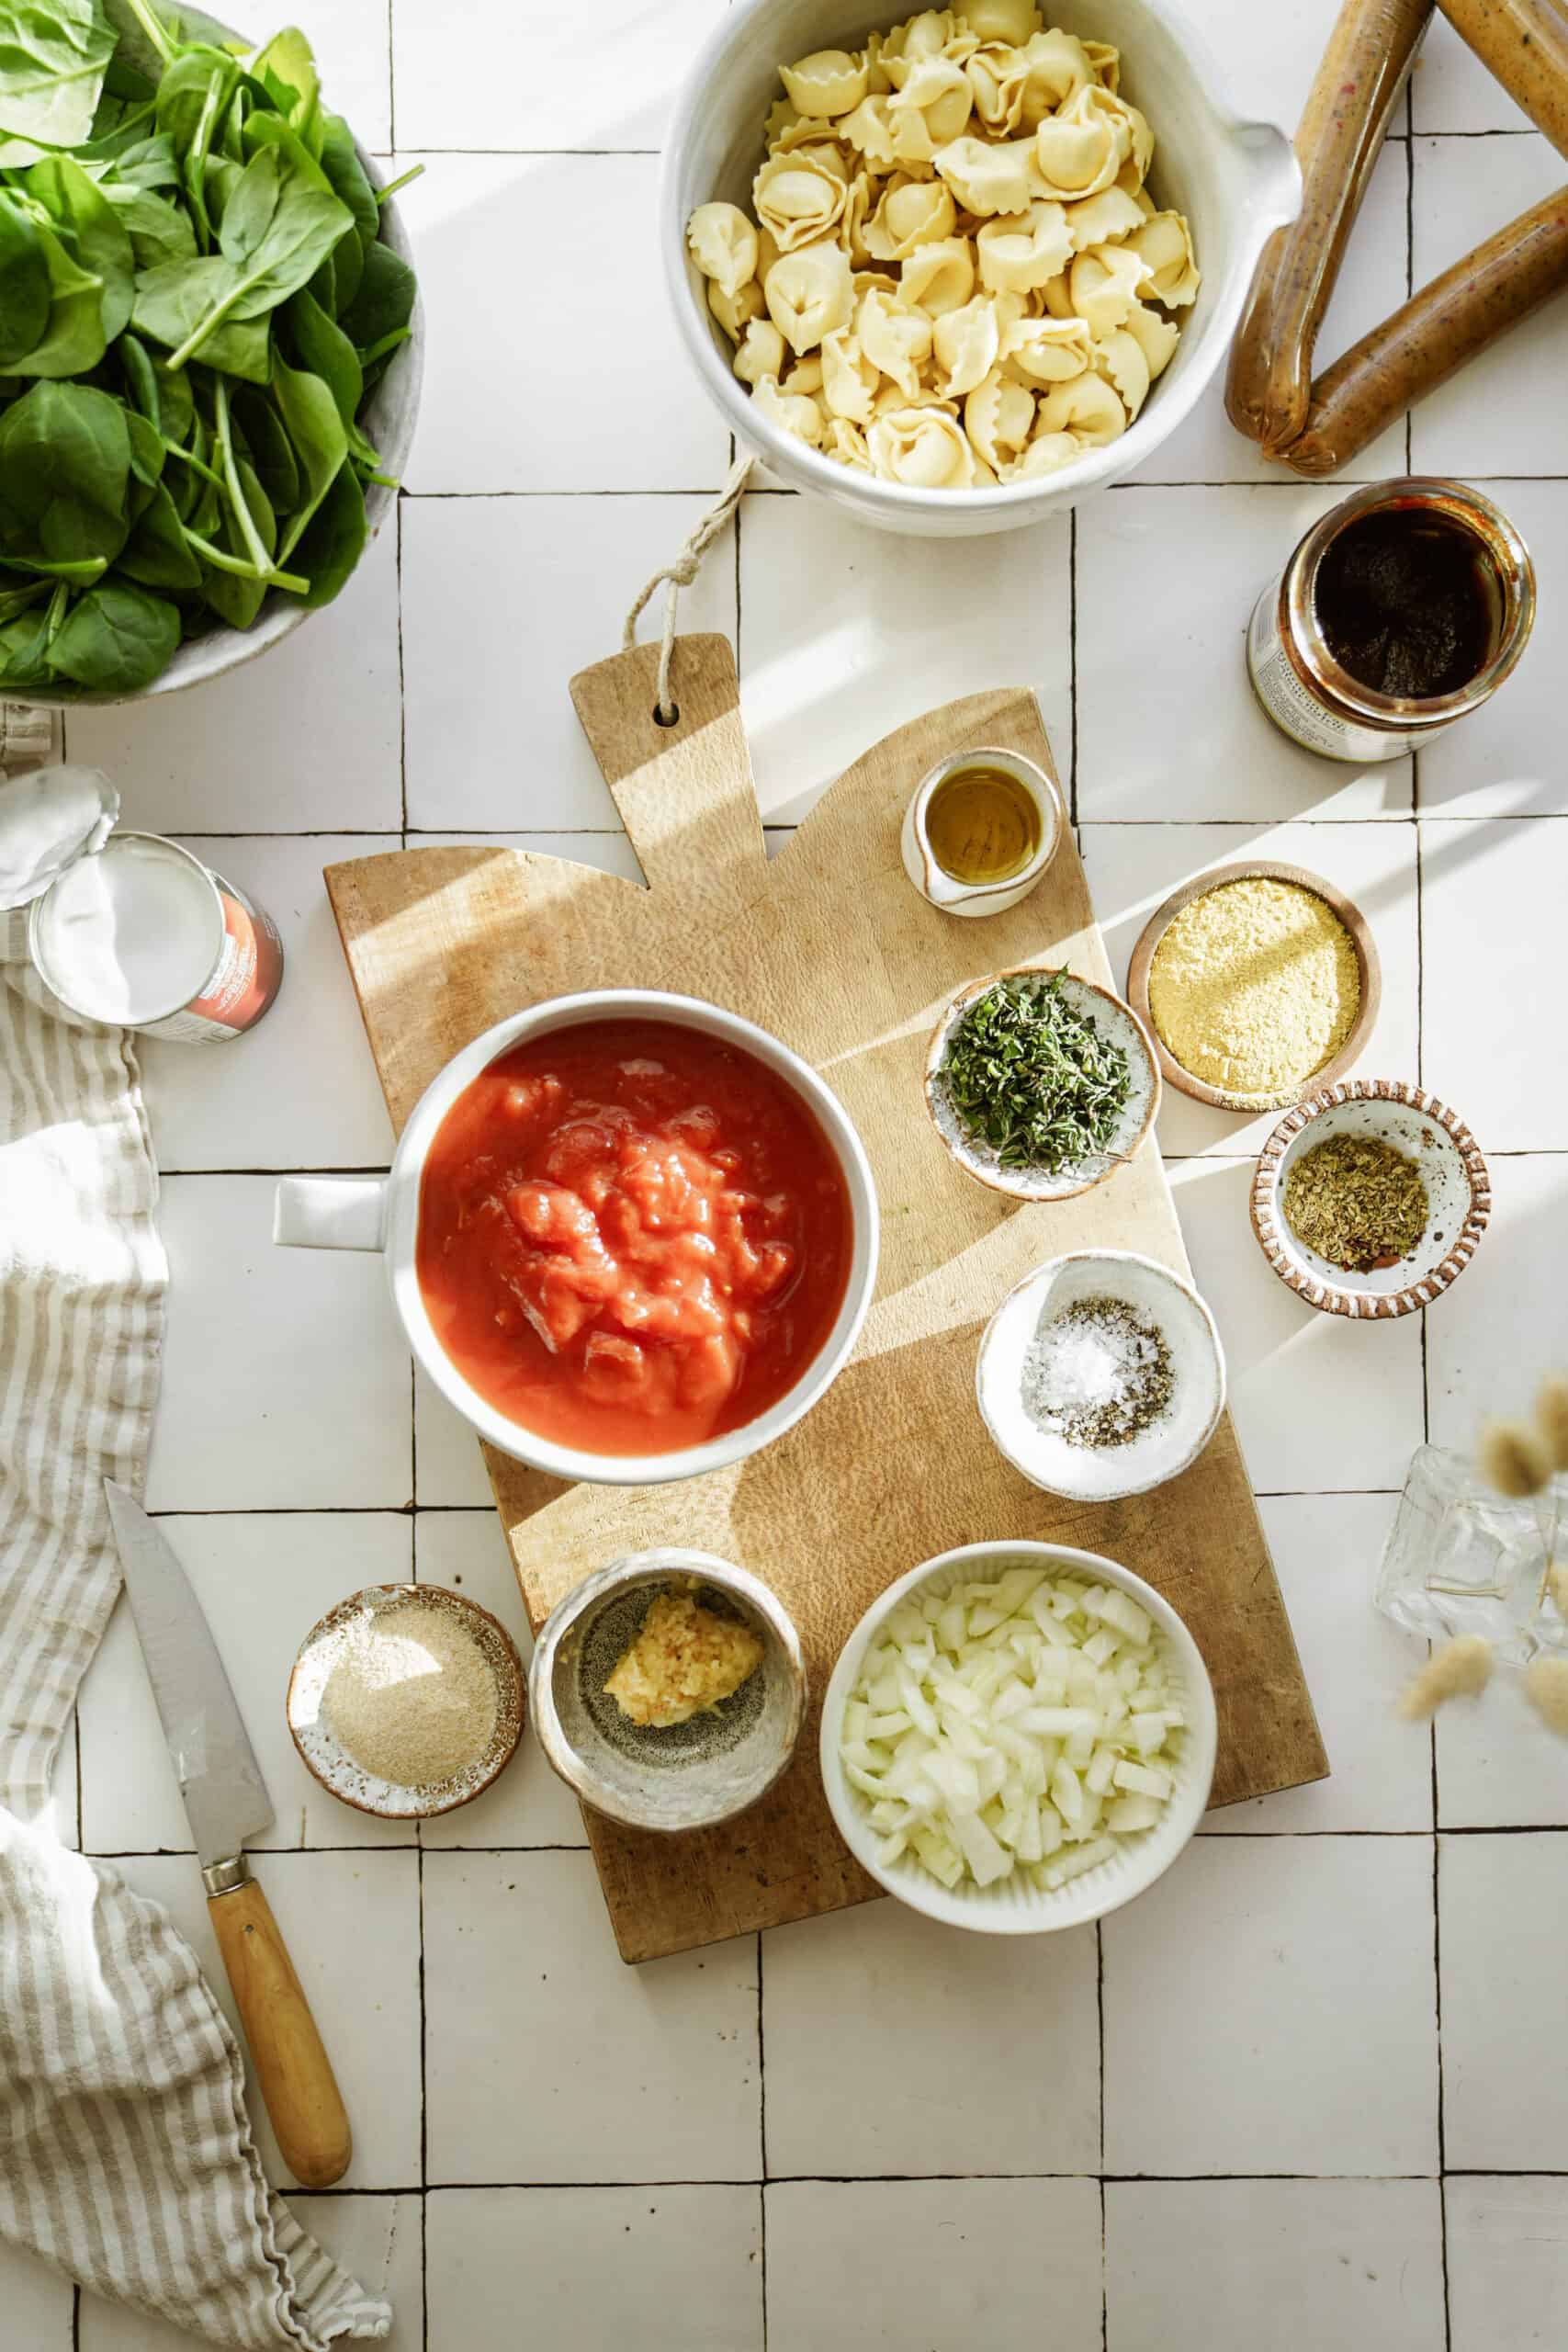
(1089,1473)
(1459,1196)
(387,419)
(1008,1908)
(382,1213)
(1115,1021)
(1236,181)
(722,1762)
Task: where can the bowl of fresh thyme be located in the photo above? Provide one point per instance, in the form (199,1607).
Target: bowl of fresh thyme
(1040,1084)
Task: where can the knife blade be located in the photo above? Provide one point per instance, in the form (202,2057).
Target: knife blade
(225,1796)
(226,1802)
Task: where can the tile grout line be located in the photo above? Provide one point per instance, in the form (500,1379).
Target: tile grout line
(1073,670)
(1409,273)
(1437,1996)
(1233,1836)
(424,2028)
(761,2120)
(1099,2020)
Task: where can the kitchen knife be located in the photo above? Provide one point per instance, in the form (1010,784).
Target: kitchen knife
(226,1802)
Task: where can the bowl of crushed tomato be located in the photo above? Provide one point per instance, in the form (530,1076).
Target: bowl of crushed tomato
(632,1236)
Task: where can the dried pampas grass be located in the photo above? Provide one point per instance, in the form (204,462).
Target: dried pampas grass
(1546,1688)
(1514,1459)
(1459,1669)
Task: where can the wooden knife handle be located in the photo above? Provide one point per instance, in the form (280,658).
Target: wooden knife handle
(292,2066)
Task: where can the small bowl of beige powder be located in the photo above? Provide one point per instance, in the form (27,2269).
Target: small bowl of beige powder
(1259,982)
(406,1699)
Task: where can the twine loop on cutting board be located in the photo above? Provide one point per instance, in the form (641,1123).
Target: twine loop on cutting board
(680,574)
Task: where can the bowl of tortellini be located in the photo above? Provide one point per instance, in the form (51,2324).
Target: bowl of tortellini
(957,270)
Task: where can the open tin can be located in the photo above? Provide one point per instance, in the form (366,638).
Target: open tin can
(127,928)
(1312,698)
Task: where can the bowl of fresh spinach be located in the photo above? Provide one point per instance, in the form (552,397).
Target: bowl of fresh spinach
(210,348)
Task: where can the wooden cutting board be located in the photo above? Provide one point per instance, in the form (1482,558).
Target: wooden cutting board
(829,948)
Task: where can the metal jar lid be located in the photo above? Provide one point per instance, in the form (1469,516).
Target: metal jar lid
(50,818)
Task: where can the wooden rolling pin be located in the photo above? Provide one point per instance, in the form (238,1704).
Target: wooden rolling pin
(1524,45)
(1459,314)
(1362,71)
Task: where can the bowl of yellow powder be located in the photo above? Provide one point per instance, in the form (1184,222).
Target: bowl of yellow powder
(1259,983)
(406,1699)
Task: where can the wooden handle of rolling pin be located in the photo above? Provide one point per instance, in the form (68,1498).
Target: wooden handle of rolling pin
(1524,45)
(1340,137)
(292,2066)
(1431,338)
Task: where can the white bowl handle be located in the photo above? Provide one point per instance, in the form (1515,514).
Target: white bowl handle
(1273,171)
(331,1213)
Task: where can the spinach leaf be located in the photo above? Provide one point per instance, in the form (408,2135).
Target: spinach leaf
(24,281)
(146,448)
(92,228)
(65,468)
(142,381)
(156,553)
(175,304)
(328,551)
(116,639)
(271,451)
(287,71)
(322,346)
(277,228)
(73,340)
(176,409)
(309,417)
(350,184)
(383,303)
(134,161)
(52,58)
(158,230)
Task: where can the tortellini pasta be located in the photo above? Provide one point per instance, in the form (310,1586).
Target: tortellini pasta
(724,245)
(809,294)
(953,274)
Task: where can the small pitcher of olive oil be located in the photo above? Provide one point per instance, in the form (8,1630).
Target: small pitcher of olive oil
(980,832)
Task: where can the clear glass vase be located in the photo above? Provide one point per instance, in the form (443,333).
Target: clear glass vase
(1464,1559)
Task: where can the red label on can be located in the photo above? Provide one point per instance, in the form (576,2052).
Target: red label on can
(245,979)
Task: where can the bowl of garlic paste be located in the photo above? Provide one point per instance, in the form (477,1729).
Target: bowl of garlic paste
(958,268)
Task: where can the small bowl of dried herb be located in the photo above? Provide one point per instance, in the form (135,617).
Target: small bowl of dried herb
(1040,1084)
(1101,1375)
(1370,1199)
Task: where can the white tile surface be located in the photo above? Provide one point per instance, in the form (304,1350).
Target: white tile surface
(1271,2007)
(1326,1549)
(571,566)
(1501,1328)
(1371,283)
(1215,2266)
(894,2046)
(1508,2263)
(449,1464)
(883,635)
(1502,761)
(1168,727)
(1133,869)
(1243,1996)
(377,2240)
(671,2269)
(1500,1902)
(1490,418)
(529,394)
(352,49)
(37,2302)
(547,2059)
(1493,890)
(262,1579)
(1319,1402)
(299,1091)
(528,1805)
(597,78)
(949,2266)
(1498,1766)
(1451,90)
(305,740)
(286,1375)
(328,1907)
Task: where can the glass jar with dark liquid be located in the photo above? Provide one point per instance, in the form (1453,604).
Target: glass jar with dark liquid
(1400,612)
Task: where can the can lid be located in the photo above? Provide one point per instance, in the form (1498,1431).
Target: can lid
(50,818)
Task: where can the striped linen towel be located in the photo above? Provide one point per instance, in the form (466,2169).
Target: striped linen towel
(126,2159)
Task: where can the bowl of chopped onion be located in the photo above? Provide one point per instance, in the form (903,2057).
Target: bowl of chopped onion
(1017,1736)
